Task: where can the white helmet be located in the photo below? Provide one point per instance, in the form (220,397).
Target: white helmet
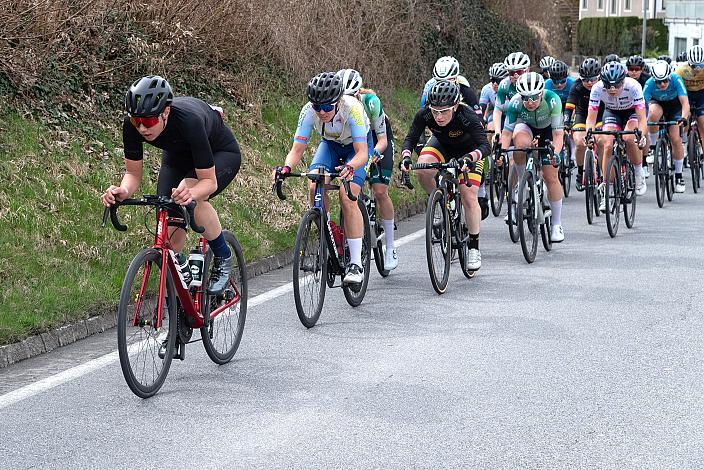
(530,84)
(517,61)
(446,68)
(546,62)
(351,81)
(660,70)
(695,55)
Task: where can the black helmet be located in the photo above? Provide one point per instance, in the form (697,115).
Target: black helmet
(666,58)
(611,58)
(558,70)
(613,74)
(444,93)
(589,68)
(635,61)
(148,96)
(682,56)
(325,88)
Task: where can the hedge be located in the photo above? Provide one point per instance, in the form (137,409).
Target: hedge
(619,35)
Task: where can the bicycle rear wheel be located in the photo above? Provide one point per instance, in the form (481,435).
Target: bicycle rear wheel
(613,195)
(497,188)
(310,269)
(511,203)
(378,242)
(438,248)
(354,294)
(589,185)
(660,172)
(629,205)
(140,343)
(222,334)
(526,216)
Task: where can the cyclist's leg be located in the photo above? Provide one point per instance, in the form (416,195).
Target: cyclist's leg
(612,122)
(431,153)
(323,162)
(170,176)
(522,137)
(381,189)
(470,200)
(696,103)
(672,110)
(354,225)
(634,153)
(552,181)
(654,115)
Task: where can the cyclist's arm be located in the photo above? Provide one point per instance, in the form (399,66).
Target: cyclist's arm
(358,131)
(414,133)
(295,154)
(642,120)
(196,135)
(557,124)
(648,90)
(382,141)
(302,136)
(594,103)
(571,104)
(682,95)
(133,176)
(482,148)
(684,101)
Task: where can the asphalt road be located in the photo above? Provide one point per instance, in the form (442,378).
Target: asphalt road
(589,358)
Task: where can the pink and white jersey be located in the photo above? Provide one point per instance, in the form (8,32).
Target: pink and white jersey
(630,97)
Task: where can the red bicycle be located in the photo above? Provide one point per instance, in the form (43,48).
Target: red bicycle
(158,311)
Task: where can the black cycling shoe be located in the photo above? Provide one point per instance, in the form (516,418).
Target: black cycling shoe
(484,204)
(219,275)
(578,183)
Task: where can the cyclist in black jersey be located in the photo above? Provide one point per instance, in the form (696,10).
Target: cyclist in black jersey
(576,109)
(457,132)
(200,158)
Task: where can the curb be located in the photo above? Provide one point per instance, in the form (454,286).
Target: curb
(67,334)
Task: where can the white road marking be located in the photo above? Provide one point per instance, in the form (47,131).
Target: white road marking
(78,371)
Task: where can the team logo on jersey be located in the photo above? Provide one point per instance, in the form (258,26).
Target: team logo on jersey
(455,134)
(356,113)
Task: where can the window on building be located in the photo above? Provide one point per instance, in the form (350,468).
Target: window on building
(614,4)
(662,5)
(599,4)
(585,4)
(680,45)
(695,41)
(627,5)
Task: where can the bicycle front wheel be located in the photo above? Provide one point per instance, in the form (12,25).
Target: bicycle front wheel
(146,347)
(310,269)
(354,294)
(378,244)
(613,196)
(222,334)
(526,218)
(497,188)
(694,157)
(589,185)
(438,248)
(511,201)
(660,172)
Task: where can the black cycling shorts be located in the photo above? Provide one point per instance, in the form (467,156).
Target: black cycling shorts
(386,165)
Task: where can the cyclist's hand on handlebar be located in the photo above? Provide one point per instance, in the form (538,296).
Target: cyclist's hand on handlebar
(279,173)
(468,159)
(113,194)
(346,172)
(642,142)
(182,195)
(376,156)
(406,163)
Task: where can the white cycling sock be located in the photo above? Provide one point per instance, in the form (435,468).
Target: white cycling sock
(653,137)
(678,166)
(355,245)
(482,190)
(556,208)
(389,233)
(639,170)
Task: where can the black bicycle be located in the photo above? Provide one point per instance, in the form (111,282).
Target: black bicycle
(620,182)
(511,194)
(663,167)
(376,228)
(592,177)
(695,153)
(498,178)
(445,223)
(566,165)
(532,206)
(317,257)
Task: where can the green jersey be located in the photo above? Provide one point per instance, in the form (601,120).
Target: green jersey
(504,94)
(548,113)
(375,113)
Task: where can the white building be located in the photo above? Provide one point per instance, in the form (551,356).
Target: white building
(685,20)
(599,8)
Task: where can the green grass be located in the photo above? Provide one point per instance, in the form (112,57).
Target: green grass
(60,265)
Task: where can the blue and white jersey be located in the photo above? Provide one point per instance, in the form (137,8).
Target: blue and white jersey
(487,97)
(562,93)
(674,89)
(350,123)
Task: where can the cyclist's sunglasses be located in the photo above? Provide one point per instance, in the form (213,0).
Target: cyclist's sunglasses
(496,80)
(326,108)
(590,79)
(437,111)
(612,86)
(559,82)
(148,122)
(635,69)
(532,98)
(516,72)
(662,82)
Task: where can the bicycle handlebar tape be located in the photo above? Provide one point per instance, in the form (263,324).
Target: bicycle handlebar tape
(406,180)
(115,221)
